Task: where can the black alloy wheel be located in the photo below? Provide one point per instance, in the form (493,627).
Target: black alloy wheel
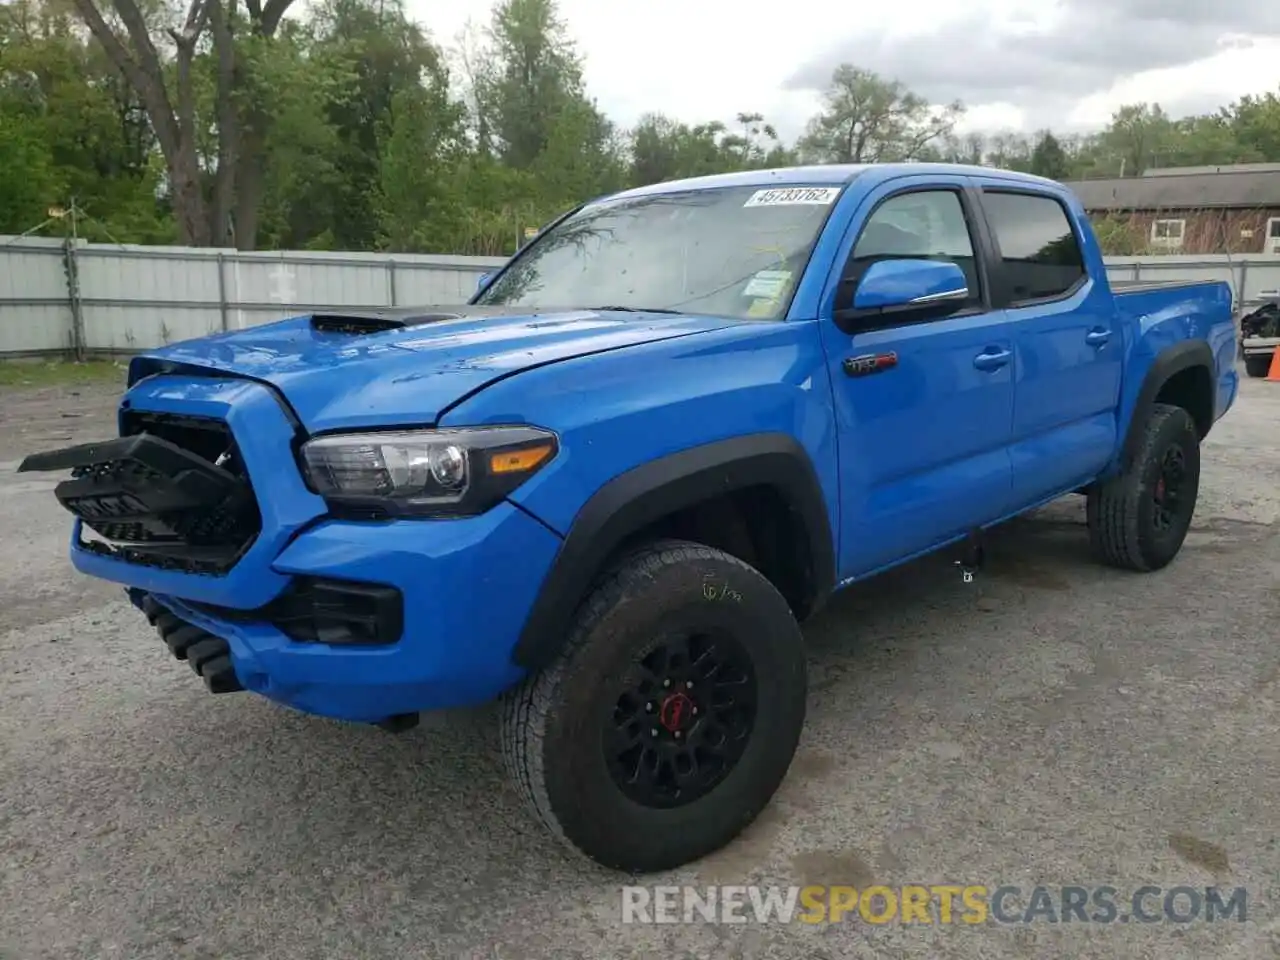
(678,731)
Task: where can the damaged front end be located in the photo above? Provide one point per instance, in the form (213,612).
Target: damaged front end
(170,493)
(208,655)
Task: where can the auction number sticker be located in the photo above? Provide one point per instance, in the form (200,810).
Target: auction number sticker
(793,196)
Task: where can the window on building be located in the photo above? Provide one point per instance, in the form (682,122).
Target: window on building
(1039,254)
(1272,244)
(1168,233)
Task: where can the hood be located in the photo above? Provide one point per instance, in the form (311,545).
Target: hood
(341,370)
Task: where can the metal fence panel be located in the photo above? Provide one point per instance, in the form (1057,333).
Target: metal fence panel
(135,297)
(421,284)
(1250,278)
(35,308)
(27,328)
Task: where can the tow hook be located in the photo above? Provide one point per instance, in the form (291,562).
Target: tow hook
(972,556)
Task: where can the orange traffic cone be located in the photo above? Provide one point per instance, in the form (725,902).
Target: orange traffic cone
(1274,373)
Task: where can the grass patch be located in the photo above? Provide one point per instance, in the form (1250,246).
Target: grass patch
(57,373)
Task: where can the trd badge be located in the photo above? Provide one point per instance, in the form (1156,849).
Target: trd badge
(870,363)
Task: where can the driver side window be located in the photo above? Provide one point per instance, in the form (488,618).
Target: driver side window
(924,225)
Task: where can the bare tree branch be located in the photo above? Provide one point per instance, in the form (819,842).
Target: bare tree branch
(224,187)
(110,42)
(140,37)
(271,16)
(148,83)
(197,17)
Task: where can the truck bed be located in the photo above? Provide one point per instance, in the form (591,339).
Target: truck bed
(1189,298)
(1124,287)
(1206,304)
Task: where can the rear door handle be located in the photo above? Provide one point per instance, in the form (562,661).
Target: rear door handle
(1097,336)
(992,359)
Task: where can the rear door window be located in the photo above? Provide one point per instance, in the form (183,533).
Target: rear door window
(1040,257)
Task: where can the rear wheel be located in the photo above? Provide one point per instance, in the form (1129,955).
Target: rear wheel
(670,718)
(1139,519)
(1257,366)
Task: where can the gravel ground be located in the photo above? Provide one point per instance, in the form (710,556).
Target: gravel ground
(1053,722)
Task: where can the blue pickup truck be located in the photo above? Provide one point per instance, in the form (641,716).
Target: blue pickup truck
(607,490)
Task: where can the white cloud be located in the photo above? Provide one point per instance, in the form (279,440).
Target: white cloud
(1200,86)
(700,60)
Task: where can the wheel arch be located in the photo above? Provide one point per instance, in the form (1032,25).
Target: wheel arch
(1181,375)
(645,495)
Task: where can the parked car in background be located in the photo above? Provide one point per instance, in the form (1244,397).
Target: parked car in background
(1259,337)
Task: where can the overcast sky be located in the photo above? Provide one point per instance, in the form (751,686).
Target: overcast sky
(1015,64)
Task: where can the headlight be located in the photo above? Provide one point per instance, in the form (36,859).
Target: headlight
(425,472)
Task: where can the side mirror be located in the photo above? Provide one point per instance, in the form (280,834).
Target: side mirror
(483,279)
(894,287)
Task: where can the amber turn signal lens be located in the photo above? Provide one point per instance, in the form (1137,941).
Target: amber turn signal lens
(519,461)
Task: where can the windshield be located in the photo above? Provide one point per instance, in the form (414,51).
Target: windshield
(735,252)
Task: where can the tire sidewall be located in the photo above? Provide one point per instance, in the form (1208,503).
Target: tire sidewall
(1174,428)
(592,810)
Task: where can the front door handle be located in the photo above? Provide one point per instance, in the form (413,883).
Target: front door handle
(992,359)
(1097,336)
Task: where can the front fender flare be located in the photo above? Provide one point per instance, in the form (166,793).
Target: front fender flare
(658,488)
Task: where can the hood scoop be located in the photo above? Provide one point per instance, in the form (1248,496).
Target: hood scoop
(357,322)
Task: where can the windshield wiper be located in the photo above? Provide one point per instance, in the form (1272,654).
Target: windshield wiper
(634,309)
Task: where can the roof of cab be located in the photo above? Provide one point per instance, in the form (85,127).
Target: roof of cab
(834,173)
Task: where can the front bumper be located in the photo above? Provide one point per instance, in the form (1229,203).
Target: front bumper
(467,587)
(464,586)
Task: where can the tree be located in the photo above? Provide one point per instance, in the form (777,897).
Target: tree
(868,119)
(1048,159)
(1137,136)
(63,102)
(345,126)
(137,49)
(420,204)
(663,149)
(368,55)
(1254,123)
(534,80)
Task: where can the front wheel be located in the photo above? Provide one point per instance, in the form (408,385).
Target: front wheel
(670,718)
(1139,519)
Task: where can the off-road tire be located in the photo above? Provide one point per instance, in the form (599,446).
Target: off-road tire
(1257,366)
(1122,511)
(553,728)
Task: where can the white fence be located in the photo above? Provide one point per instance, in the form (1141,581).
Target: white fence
(103,298)
(1251,278)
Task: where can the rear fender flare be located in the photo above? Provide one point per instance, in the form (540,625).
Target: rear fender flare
(1171,361)
(633,500)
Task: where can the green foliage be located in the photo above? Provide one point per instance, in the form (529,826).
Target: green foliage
(26,373)
(1118,236)
(1048,159)
(70,127)
(869,119)
(350,127)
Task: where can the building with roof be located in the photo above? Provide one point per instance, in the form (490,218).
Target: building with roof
(1195,210)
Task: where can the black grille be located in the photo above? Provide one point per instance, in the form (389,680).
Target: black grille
(160,514)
